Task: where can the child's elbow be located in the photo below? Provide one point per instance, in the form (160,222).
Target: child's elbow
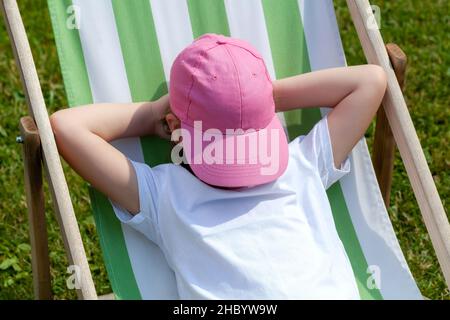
(377,79)
(60,124)
(55,122)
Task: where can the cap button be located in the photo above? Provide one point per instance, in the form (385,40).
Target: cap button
(220,42)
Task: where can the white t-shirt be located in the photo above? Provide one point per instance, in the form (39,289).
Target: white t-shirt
(273,241)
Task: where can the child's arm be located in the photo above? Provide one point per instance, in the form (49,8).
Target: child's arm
(82,135)
(354,93)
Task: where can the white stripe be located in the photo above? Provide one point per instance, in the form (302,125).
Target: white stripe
(102,53)
(361,192)
(173,29)
(109,83)
(246,21)
(319,23)
(374,228)
(104,62)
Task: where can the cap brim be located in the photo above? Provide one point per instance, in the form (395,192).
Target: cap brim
(249,164)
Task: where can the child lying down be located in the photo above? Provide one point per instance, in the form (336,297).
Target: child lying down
(240,213)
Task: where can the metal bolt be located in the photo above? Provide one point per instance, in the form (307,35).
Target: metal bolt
(19,139)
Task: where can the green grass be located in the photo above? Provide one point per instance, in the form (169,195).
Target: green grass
(421,28)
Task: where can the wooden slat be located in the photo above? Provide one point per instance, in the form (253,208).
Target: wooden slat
(36,210)
(109,296)
(57,182)
(405,136)
(384,143)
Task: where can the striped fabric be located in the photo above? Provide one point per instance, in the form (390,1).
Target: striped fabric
(122,51)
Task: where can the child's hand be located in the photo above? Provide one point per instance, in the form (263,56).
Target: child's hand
(159,109)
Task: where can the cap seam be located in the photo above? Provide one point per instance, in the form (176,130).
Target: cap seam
(193,76)
(238,81)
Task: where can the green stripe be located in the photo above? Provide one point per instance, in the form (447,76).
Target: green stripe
(115,251)
(70,54)
(78,90)
(208,16)
(349,238)
(143,64)
(287,40)
(140,49)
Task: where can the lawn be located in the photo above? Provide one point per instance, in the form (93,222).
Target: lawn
(421,28)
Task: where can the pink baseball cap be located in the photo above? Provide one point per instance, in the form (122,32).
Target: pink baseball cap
(222,93)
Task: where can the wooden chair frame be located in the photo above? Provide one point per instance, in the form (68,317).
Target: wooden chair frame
(394,126)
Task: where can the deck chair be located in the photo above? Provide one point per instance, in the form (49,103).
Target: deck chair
(122,51)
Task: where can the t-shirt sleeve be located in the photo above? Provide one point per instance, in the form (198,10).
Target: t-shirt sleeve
(316,149)
(146,220)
